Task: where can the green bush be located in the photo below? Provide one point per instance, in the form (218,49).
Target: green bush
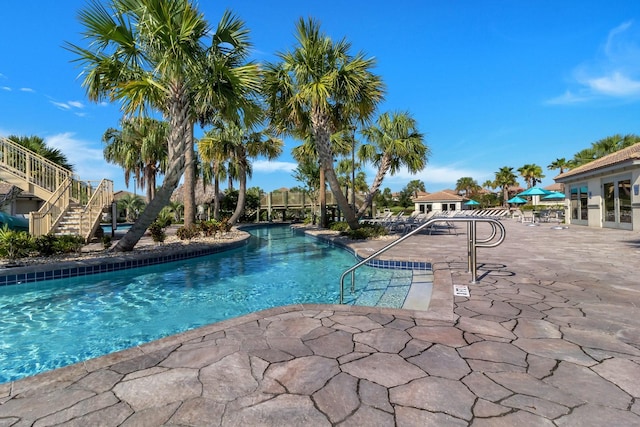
(68,243)
(14,244)
(157,231)
(208,228)
(187,233)
(106,241)
(45,245)
(366,232)
(339,226)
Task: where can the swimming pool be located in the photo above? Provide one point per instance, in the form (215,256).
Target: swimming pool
(46,325)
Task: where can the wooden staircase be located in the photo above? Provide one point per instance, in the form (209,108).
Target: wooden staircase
(71,206)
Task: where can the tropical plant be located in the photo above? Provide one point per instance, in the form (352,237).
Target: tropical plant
(467,186)
(230,141)
(317,89)
(38,146)
(140,148)
(151,54)
(560,163)
(603,147)
(393,142)
(132,205)
(384,198)
(532,174)
(505,178)
(14,244)
(176,208)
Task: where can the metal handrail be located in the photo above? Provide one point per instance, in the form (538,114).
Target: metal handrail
(472,245)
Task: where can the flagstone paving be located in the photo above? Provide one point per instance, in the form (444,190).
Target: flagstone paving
(550,335)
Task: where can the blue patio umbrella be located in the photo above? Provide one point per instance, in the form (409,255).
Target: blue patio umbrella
(472,203)
(554,195)
(516,200)
(534,191)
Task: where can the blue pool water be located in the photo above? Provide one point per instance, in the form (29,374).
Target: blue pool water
(120,227)
(51,324)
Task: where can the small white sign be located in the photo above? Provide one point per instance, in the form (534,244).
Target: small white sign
(461,291)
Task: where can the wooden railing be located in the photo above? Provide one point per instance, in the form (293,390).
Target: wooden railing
(58,186)
(51,211)
(90,218)
(36,174)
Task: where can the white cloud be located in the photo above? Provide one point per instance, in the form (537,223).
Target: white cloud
(88,161)
(27,89)
(7,88)
(435,177)
(613,73)
(70,105)
(61,105)
(615,84)
(568,98)
(271,166)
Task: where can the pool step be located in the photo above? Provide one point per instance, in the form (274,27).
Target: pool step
(390,292)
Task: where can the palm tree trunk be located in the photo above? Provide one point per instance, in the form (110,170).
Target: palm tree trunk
(323,145)
(216,196)
(242,191)
(177,143)
(385,164)
(323,199)
(189,187)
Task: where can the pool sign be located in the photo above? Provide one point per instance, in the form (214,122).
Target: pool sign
(461,291)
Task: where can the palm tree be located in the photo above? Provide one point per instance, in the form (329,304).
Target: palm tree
(505,178)
(213,170)
(532,174)
(560,163)
(467,185)
(140,148)
(228,140)
(176,208)
(393,142)
(315,90)
(132,205)
(38,146)
(151,54)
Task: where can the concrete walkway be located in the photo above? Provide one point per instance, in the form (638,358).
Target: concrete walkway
(549,336)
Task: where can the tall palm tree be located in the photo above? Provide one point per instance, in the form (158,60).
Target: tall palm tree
(229,140)
(393,142)
(505,178)
(467,185)
(132,205)
(532,174)
(314,88)
(38,146)
(213,170)
(140,148)
(560,163)
(152,54)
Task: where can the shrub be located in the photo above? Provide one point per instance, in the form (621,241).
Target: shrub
(14,244)
(45,245)
(106,241)
(339,226)
(68,243)
(208,228)
(187,233)
(157,231)
(366,232)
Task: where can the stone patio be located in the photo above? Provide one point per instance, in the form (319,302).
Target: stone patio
(549,336)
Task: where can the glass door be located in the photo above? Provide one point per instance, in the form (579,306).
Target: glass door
(616,199)
(579,198)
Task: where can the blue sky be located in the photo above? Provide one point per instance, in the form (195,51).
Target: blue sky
(491,83)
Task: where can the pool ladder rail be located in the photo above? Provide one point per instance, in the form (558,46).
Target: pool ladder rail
(473,243)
